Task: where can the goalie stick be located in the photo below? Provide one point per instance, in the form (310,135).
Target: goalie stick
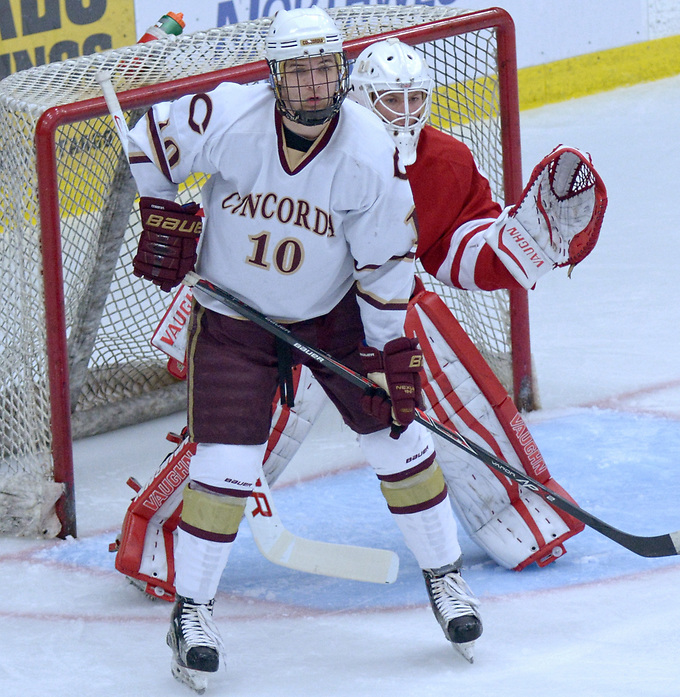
(272,539)
(325,558)
(666,545)
(104,79)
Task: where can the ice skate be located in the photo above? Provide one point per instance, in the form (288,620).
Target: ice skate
(195,643)
(455,607)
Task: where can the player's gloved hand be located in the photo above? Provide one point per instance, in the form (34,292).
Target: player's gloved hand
(167,245)
(396,369)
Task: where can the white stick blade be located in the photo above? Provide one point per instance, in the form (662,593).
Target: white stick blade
(280,546)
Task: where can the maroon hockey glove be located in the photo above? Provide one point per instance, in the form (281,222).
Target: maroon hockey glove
(396,369)
(167,245)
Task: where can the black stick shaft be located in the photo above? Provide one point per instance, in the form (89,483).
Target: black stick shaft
(657,546)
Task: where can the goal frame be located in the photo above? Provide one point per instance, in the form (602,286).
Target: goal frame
(143,97)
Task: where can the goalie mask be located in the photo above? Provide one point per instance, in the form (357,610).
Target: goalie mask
(392,80)
(309,70)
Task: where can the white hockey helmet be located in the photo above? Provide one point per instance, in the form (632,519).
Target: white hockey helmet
(305,33)
(391,67)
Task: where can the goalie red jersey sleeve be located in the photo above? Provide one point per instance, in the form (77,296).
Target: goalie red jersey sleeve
(454,206)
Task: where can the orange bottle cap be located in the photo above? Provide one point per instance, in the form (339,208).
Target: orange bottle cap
(178,17)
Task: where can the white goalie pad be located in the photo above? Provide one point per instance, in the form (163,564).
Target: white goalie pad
(291,425)
(514,526)
(557,220)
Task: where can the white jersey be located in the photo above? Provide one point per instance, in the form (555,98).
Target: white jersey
(287,232)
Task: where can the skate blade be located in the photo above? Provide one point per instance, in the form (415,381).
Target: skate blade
(465,650)
(197,680)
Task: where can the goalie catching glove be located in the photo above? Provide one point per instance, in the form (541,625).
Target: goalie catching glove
(396,370)
(167,245)
(557,220)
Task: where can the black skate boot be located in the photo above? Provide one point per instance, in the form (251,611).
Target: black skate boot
(455,607)
(195,642)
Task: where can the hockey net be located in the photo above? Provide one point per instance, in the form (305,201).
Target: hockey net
(75,324)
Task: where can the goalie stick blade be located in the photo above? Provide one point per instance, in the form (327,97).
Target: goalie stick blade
(667,545)
(281,547)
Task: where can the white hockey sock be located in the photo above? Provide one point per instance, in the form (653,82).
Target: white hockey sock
(431,535)
(199,565)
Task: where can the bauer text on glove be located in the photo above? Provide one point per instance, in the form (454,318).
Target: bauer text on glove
(167,245)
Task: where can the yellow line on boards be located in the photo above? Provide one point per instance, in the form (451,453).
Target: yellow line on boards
(598,72)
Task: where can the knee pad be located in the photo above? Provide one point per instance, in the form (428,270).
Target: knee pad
(231,469)
(414,490)
(388,456)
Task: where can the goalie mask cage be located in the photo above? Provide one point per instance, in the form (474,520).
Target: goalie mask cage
(75,325)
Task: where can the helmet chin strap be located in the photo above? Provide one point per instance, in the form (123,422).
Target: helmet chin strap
(312,118)
(406,147)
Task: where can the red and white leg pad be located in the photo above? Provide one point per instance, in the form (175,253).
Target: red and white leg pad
(514,526)
(145,548)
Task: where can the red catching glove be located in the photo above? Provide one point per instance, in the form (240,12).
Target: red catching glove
(396,369)
(167,245)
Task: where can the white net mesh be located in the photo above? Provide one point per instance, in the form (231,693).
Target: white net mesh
(116,377)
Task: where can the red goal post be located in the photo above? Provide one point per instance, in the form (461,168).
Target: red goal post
(85,364)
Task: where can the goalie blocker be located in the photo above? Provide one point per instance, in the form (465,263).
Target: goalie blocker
(514,526)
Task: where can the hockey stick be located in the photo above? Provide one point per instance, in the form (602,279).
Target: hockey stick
(274,541)
(656,546)
(325,558)
(104,79)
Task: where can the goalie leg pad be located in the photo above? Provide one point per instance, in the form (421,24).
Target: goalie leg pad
(145,548)
(146,545)
(515,530)
(291,425)
(515,527)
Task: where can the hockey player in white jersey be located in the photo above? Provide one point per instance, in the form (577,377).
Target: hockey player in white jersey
(307,220)
(515,527)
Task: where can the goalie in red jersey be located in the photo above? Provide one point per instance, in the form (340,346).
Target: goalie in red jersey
(465,239)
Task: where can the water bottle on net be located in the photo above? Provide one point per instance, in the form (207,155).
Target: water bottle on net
(171,23)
